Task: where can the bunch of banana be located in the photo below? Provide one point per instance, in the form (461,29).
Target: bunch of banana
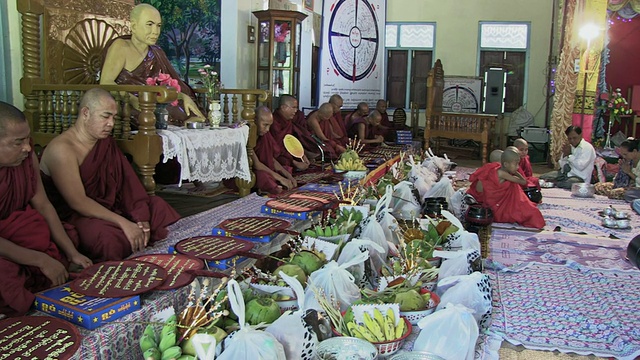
(350,164)
(348,219)
(164,348)
(380,328)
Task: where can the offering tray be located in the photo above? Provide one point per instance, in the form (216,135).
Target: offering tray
(255,226)
(294,204)
(38,337)
(119,279)
(213,248)
(181,269)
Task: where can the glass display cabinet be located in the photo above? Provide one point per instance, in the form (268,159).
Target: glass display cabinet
(279,52)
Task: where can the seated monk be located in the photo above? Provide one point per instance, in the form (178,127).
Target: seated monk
(357,116)
(131,59)
(386,126)
(286,121)
(525,163)
(271,176)
(498,186)
(94,187)
(337,122)
(319,123)
(35,249)
(364,128)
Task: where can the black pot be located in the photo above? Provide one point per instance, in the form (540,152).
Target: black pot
(479,215)
(433,207)
(534,194)
(633,251)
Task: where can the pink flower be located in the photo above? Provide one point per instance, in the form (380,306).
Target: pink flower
(207,66)
(151,81)
(163,77)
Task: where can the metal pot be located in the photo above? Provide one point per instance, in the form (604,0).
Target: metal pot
(633,251)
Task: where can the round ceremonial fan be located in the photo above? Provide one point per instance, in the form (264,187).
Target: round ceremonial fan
(325,198)
(118,279)
(293,146)
(215,248)
(181,269)
(294,204)
(254,226)
(38,337)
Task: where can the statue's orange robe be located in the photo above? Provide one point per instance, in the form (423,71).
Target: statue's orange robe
(110,180)
(26,227)
(507,200)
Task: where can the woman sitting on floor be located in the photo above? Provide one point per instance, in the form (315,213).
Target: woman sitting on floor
(626,180)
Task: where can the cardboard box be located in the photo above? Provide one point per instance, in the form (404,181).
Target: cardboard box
(287,214)
(87,311)
(535,135)
(218,264)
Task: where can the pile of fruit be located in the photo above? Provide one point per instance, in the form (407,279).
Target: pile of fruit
(350,161)
(379,328)
(345,221)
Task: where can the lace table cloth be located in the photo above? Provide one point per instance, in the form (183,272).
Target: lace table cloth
(208,155)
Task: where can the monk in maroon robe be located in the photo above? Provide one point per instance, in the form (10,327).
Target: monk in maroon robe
(337,122)
(35,249)
(96,189)
(364,129)
(131,59)
(320,124)
(283,124)
(271,176)
(386,128)
(525,163)
(498,187)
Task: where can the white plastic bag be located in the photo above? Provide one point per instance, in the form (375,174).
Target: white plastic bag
(461,239)
(296,336)
(451,333)
(247,343)
(405,205)
(371,229)
(473,291)
(336,283)
(462,262)
(443,188)
(383,214)
(354,248)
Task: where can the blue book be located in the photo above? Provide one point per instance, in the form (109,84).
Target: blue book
(303,215)
(218,264)
(87,311)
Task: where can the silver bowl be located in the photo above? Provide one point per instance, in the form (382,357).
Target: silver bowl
(609,221)
(623,223)
(194,125)
(344,347)
(609,211)
(621,215)
(416,355)
(583,190)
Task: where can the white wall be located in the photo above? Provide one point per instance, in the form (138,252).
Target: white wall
(457,35)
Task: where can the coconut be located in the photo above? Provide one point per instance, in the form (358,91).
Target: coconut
(307,260)
(410,300)
(293,270)
(262,310)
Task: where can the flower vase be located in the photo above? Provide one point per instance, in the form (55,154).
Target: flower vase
(215,115)
(162,116)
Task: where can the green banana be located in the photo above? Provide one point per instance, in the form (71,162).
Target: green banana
(151,332)
(170,326)
(147,342)
(353,330)
(367,335)
(173,352)
(373,326)
(152,354)
(167,341)
(400,328)
(380,319)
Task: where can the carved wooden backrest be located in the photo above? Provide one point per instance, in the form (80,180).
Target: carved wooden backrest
(76,34)
(435,88)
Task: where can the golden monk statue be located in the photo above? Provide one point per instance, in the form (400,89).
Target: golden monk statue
(132,59)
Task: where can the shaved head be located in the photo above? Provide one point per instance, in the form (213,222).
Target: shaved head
(520,142)
(326,110)
(510,154)
(93,98)
(9,114)
(495,156)
(139,10)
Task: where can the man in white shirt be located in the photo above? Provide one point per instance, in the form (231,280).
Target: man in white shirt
(576,163)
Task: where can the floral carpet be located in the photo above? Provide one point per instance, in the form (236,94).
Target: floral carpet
(571,308)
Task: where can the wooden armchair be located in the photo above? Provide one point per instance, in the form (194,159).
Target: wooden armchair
(65,61)
(467,126)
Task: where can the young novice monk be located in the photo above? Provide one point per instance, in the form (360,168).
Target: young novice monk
(498,186)
(525,163)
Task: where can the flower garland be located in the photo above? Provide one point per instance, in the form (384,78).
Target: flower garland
(164,80)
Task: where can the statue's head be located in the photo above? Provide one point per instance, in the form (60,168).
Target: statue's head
(146,23)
